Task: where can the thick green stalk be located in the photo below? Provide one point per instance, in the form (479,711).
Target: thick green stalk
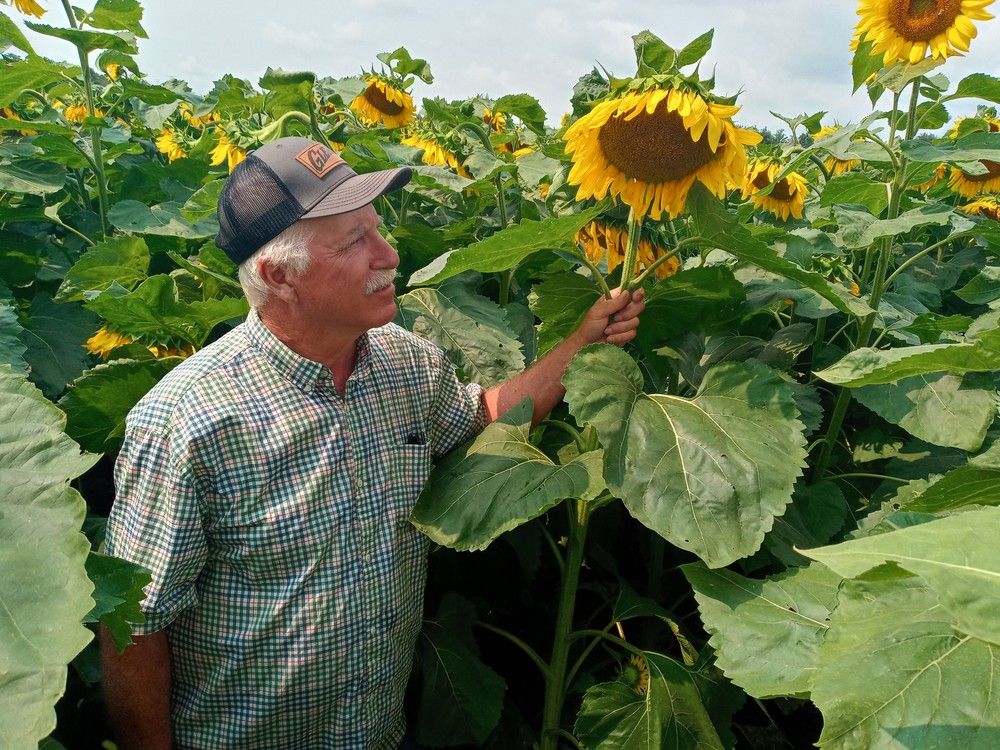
(95,131)
(631,248)
(552,712)
(878,286)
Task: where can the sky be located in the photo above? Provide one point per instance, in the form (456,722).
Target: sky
(788,56)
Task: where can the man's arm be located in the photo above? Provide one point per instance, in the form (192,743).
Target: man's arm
(613,321)
(137,691)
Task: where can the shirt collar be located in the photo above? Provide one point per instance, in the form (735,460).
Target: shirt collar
(303,373)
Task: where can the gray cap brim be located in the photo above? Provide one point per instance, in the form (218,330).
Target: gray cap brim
(358,191)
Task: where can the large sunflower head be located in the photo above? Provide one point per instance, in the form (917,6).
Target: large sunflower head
(384,103)
(907,30)
(435,152)
(971,185)
(168,143)
(835,166)
(983,121)
(988,206)
(606,242)
(646,148)
(226,151)
(788,195)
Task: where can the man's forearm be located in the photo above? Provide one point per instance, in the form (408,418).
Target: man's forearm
(613,321)
(137,691)
(542,382)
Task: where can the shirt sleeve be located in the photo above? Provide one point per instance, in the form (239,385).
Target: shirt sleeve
(457,411)
(156,522)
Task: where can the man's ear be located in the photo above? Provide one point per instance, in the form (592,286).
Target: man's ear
(279,281)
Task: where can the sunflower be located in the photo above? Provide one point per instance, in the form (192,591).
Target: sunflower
(543,189)
(646,148)
(197,122)
(836,166)
(786,198)
(940,172)
(10,114)
(496,120)
(166,143)
(29,8)
(988,206)
(906,30)
(383,102)
(112,69)
(970,186)
(992,123)
(636,674)
(227,151)
(602,241)
(78,112)
(436,154)
(107,340)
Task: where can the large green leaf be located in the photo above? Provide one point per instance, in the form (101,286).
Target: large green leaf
(878,366)
(97,403)
(118,591)
(983,288)
(934,214)
(893,673)
(766,633)
(957,556)
(525,107)
(702,300)
(11,345)
(817,512)
(975,483)
(33,72)
(855,187)
(13,36)
(121,259)
(117,15)
(470,328)
(54,335)
(461,698)
(972,147)
(153,312)
(561,301)
(88,41)
(165,218)
(708,473)
(978,86)
(44,589)
(505,249)
(32,176)
(949,410)
(662,709)
(719,229)
(498,481)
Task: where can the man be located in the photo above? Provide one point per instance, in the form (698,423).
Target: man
(267,481)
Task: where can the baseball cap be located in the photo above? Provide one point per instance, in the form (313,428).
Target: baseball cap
(290,179)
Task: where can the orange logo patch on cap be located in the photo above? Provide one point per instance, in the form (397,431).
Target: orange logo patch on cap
(318,159)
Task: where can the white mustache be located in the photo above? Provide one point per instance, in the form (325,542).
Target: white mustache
(380,279)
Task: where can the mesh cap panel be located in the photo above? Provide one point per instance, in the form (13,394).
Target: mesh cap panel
(254,208)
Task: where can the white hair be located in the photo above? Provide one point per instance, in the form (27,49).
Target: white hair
(289,250)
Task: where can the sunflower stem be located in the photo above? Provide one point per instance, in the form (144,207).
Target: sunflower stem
(638,280)
(554,691)
(631,249)
(911,114)
(528,650)
(595,272)
(95,131)
(917,256)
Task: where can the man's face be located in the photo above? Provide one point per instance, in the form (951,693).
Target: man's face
(348,284)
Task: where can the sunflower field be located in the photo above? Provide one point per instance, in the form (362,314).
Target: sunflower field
(769,522)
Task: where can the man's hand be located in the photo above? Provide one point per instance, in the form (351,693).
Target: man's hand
(612,321)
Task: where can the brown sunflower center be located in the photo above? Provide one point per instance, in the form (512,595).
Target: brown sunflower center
(378,100)
(653,148)
(781,191)
(992,172)
(922,20)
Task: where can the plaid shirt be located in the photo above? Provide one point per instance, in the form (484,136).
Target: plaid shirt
(273,513)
